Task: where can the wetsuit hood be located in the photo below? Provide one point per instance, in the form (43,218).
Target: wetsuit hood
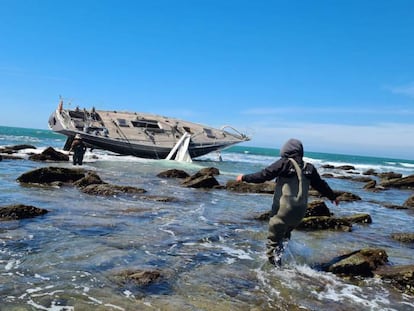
(293,148)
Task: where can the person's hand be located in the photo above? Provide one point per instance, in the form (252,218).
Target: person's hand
(239,178)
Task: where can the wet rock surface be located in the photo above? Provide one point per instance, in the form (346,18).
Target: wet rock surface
(20,211)
(403,237)
(50,154)
(401,277)
(358,263)
(47,175)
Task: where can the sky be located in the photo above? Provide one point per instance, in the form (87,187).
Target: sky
(336,74)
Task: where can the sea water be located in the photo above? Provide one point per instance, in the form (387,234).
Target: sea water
(206,243)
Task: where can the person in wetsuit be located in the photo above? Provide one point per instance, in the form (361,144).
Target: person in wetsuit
(290,200)
(79,149)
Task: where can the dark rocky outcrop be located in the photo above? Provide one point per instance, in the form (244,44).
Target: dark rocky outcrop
(20,211)
(347,196)
(90,178)
(50,154)
(409,203)
(173,173)
(359,219)
(403,237)
(370,172)
(244,187)
(345,167)
(358,263)
(205,181)
(15,148)
(47,175)
(317,208)
(204,178)
(389,175)
(401,277)
(400,183)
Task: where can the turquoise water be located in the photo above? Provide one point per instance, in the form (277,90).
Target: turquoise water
(206,243)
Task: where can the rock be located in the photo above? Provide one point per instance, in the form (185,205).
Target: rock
(212,171)
(91,178)
(345,167)
(359,219)
(328,175)
(1,158)
(244,187)
(317,208)
(157,198)
(358,263)
(173,173)
(263,217)
(50,154)
(138,277)
(363,179)
(205,181)
(401,277)
(389,175)
(370,185)
(409,203)
(401,183)
(20,211)
(105,189)
(47,175)
(403,237)
(324,223)
(369,172)
(346,196)
(15,148)
(329,166)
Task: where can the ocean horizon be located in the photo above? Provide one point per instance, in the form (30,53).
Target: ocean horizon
(207,244)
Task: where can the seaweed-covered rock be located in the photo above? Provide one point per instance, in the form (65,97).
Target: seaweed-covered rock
(244,187)
(50,154)
(324,223)
(389,175)
(212,171)
(20,211)
(173,173)
(403,237)
(47,175)
(358,263)
(401,277)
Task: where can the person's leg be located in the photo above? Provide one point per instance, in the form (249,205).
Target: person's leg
(277,232)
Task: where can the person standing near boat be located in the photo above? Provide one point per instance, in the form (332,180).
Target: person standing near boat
(78,147)
(290,200)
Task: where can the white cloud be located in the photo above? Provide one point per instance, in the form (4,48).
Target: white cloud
(407,89)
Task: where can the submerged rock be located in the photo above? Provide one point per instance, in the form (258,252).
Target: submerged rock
(347,196)
(15,148)
(205,181)
(90,178)
(138,277)
(110,190)
(50,154)
(403,237)
(20,211)
(358,263)
(47,175)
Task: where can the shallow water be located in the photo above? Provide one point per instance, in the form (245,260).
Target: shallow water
(206,243)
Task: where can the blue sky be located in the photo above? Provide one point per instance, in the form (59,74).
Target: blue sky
(339,75)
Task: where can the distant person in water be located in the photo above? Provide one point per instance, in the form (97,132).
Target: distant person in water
(290,200)
(78,147)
